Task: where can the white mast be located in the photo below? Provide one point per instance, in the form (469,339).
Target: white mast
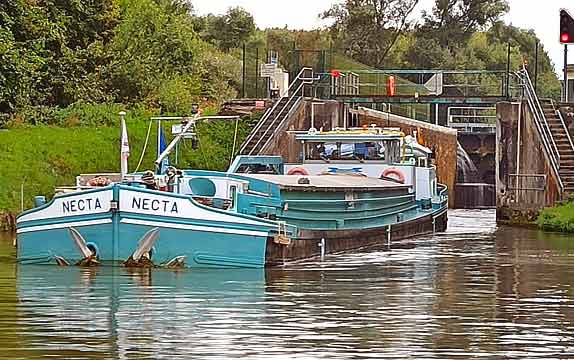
(125,146)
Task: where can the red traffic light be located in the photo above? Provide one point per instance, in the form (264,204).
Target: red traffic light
(566,27)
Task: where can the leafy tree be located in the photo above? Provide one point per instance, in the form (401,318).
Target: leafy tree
(156,56)
(452,22)
(151,44)
(368,29)
(51,51)
(227,31)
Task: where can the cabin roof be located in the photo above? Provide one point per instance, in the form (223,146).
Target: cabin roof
(330,182)
(346,138)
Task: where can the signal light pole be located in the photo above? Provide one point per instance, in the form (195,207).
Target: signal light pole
(565,73)
(566,37)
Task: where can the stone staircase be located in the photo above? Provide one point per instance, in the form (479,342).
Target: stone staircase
(563,143)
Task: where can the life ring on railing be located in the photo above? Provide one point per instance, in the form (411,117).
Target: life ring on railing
(394,173)
(99,181)
(297,171)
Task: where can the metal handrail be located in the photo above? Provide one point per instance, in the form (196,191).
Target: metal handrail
(270,110)
(295,93)
(532,95)
(541,123)
(282,122)
(563,125)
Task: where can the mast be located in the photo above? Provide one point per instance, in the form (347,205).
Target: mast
(124,146)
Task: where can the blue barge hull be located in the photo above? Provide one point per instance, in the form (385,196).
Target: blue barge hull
(112,221)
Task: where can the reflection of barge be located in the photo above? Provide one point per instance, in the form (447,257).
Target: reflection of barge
(251,216)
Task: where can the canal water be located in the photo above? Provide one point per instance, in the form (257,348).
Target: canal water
(475,292)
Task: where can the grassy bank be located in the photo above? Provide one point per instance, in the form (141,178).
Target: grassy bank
(559,218)
(43,157)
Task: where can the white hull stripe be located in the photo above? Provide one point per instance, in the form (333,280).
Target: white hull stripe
(193,227)
(63,225)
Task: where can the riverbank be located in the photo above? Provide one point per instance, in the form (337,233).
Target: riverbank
(559,218)
(39,158)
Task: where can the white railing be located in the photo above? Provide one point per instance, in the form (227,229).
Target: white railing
(471,118)
(542,126)
(345,84)
(299,80)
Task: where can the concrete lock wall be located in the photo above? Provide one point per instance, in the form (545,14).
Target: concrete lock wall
(525,182)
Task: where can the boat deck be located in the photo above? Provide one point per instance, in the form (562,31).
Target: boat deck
(328,182)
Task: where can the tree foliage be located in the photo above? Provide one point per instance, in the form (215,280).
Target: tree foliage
(368,29)
(51,51)
(227,31)
(452,22)
(61,52)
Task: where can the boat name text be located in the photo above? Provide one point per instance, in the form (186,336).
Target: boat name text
(154,205)
(77,205)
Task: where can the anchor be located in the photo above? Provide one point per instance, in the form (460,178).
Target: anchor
(61,261)
(177,262)
(141,256)
(90,257)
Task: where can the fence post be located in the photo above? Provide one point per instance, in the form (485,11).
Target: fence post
(257,73)
(243,73)
(508,72)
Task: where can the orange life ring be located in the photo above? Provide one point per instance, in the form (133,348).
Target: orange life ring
(297,171)
(99,181)
(395,174)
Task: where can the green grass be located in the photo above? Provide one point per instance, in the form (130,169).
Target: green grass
(43,157)
(343,62)
(559,218)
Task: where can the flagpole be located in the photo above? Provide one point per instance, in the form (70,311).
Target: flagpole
(124,146)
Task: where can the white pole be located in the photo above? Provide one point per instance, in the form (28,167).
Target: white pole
(234,142)
(158,137)
(124,146)
(22,197)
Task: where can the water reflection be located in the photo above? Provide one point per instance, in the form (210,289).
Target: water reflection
(476,291)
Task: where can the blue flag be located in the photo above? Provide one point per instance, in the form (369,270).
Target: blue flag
(162,147)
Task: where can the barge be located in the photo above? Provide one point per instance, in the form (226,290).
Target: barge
(352,189)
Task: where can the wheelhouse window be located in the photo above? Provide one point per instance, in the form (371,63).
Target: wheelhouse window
(387,151)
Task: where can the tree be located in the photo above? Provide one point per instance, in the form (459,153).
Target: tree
(452,22)
(368,29)
(50,51)
(230,30)
(156,56)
